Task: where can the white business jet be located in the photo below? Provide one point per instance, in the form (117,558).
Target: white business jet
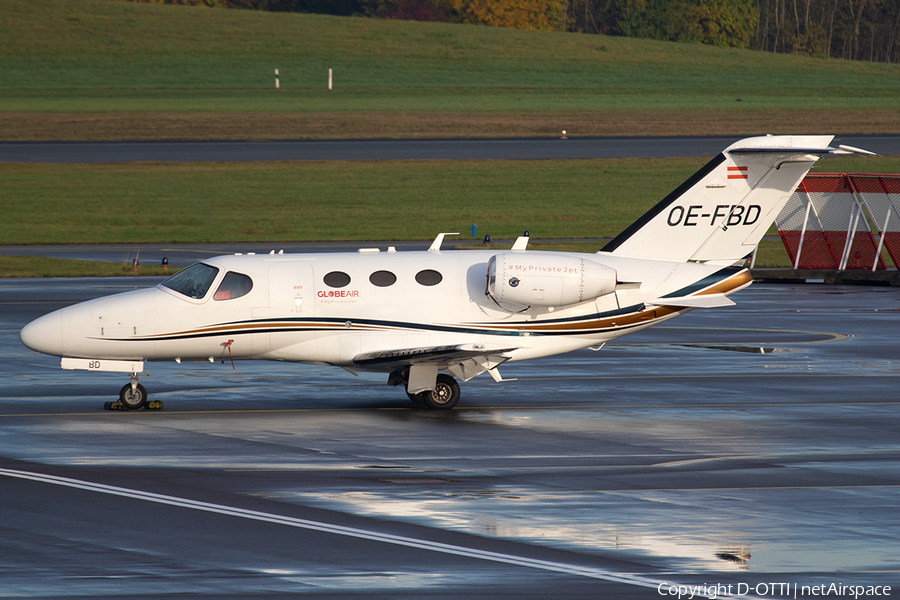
(431,317)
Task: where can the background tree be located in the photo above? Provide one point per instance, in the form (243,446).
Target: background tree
(547,15)
(715,22)
(848,29)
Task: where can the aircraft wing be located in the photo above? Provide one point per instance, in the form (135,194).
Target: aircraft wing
(461,360)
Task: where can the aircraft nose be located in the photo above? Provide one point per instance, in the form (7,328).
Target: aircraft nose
(44,334)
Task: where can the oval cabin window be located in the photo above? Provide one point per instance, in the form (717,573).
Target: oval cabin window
(383,278)
(336,279)
(429,277)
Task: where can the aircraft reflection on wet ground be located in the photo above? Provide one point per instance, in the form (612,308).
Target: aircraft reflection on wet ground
(755,443)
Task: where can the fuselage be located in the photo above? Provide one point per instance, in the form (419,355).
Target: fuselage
(332,308)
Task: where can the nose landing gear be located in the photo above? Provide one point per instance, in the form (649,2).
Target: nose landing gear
(133,396)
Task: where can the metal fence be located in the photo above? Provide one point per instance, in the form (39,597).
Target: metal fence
(841,221)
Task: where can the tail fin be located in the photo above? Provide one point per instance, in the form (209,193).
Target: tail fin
(722,212)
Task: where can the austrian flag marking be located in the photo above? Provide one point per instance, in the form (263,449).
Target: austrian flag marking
(737,172)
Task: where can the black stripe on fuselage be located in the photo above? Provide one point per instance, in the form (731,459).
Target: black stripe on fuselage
(663,204)
(710,280)
(326,324)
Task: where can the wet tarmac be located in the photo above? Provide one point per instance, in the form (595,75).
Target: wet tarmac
(756,447)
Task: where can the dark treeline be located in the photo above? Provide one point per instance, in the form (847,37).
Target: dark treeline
(851,29)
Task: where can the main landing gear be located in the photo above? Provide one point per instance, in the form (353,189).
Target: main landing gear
(444,396)
(133,396)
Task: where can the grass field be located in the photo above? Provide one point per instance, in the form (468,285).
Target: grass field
(121,46)
(106,69)
(307,201)
(39,266)
(287,201)
(272,202)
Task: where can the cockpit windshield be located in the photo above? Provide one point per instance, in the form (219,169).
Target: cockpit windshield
(193,281)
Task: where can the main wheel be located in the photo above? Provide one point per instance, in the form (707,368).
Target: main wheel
(445,394)
(417,398)
(133,399)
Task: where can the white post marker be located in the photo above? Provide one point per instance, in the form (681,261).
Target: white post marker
(277,82)
(329,79)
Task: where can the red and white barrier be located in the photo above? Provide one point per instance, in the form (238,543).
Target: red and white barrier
(842,221)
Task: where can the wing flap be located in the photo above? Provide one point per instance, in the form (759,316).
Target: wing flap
(403,357)
(464,361)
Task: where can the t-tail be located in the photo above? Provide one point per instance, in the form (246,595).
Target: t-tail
(721,213)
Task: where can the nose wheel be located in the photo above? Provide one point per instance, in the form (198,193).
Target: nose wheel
(133,396)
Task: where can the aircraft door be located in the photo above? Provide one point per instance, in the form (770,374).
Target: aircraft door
(291,300)
(291,288)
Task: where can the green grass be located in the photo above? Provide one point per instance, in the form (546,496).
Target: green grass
(40,266)
(323,201)
(771,253)
(287,201)
(208,202)
(106,55)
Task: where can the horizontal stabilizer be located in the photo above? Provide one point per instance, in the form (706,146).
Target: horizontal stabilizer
(705,301)
(842,149)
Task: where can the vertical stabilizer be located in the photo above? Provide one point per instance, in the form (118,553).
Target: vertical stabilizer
(722,212)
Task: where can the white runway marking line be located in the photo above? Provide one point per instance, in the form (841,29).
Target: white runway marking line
(340,530)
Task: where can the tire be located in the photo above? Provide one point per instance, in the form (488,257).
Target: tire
(417,398)
(445,394)
(133,400)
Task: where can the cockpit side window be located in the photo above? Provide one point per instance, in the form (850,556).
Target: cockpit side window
(234,285)
(193,281)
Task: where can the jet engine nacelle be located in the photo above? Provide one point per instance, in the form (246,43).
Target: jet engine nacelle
(531,279)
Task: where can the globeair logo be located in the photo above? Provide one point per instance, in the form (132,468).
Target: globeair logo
(338,296)
(514,282)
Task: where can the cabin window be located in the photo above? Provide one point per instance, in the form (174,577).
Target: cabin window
(193,281)
(383,278)
(429,277)
(234,285)
(336,279)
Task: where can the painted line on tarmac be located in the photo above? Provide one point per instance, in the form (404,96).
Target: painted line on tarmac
(812,453)
(438,468)
(353,532)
